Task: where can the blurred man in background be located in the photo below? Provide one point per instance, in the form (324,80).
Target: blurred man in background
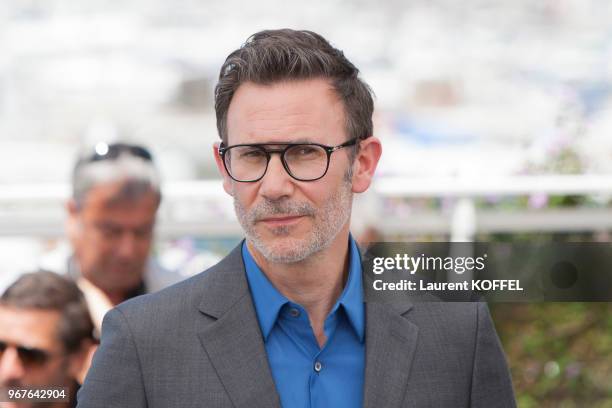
(111,216)
(46,336)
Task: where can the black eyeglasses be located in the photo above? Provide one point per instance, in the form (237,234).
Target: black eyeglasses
(303,161)
(104,151)
(30,357)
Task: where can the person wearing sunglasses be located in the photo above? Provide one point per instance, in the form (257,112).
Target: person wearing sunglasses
(110,224)
(46,336)
(282,321)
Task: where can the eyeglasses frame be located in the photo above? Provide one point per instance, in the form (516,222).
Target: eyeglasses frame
(328,150)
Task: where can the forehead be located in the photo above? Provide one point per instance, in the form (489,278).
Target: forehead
(29,327)
(109,198)
(297,110)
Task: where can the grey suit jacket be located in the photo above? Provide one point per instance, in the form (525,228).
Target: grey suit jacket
(198,344)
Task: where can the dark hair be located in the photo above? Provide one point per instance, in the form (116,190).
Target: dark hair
(50,291)
(276,55)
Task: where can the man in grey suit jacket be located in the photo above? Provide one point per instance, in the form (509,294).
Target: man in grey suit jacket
(281,320)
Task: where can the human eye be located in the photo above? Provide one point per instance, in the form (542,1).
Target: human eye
(144,232)
(250,153)
(305,152)
(108,231)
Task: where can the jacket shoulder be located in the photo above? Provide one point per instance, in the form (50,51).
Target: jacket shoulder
(183,298)
(177,298)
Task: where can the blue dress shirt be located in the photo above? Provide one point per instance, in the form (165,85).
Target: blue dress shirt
(305,374)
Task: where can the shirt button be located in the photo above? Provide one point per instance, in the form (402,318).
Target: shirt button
(318,366)
(294,312)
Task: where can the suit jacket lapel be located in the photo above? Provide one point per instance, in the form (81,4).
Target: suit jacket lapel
(231,337)
(233,342)
(390,345)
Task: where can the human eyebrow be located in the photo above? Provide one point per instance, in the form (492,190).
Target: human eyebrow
(108,227)
(288,142)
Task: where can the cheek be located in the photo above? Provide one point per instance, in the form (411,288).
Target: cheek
(144,246)
(102,247)
(60,372)
(245,193)
(316,194)
(44,376)
(90,236)
(321,191)
(339,167)
(96,251)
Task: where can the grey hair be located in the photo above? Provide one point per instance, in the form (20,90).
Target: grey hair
(138,176)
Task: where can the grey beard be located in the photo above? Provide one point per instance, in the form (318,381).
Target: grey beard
(327,223)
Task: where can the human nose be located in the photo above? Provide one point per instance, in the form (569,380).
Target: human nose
(11,367)
(126,246)
(276,183)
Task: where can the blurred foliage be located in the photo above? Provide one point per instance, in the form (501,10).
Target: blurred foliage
(561,160)
(560,354)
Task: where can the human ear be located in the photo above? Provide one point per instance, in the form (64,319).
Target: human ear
(72,220)
(364,165)
(227,181)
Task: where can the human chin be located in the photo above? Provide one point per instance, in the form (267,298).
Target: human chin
(283,249)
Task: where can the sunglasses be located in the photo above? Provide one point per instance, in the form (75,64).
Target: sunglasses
(30,357)
(104,151)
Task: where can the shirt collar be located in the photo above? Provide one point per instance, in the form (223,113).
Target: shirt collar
(351,298)
(269,301)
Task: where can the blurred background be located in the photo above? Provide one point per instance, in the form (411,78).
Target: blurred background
(495,118)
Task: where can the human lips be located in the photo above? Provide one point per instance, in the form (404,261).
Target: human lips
(281,220)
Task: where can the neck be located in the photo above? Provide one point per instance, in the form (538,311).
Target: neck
(91,287)
(314,283)
(116,297)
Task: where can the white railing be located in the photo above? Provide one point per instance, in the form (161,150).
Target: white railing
(202,208)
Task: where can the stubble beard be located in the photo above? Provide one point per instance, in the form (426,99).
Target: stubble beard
(327,223)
